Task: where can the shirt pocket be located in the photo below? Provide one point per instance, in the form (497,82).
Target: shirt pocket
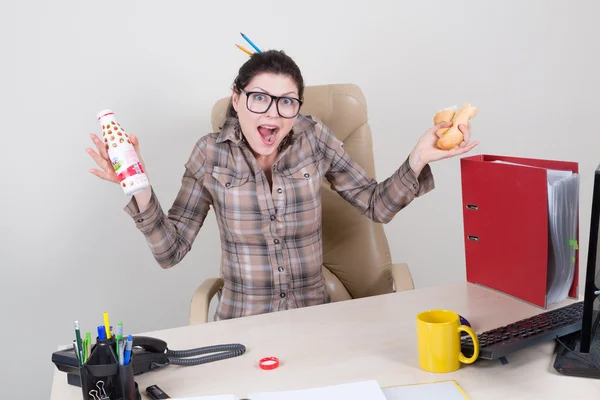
(228,178)
(235,194)
(303,206)
(306,171)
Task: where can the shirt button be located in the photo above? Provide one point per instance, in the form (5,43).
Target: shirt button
(307,175)
(282,295)
(273,218)
(280,269)
(227,184)
(276,241)
(279,190)
(140,220)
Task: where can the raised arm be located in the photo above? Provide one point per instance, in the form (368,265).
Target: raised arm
(170,236)
(378,201)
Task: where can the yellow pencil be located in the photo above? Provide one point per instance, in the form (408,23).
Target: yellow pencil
(107,325)
(244,50)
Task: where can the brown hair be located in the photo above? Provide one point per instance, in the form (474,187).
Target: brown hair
(270,61)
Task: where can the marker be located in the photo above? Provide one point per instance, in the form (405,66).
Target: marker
(119,335)
(101,333)
(127,356)
(250,42)
(107,325)
(79,344)
(244,49)
(87,345)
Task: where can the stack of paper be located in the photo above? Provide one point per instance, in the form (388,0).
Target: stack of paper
(563,200)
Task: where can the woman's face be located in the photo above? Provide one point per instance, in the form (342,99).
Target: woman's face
(264,131)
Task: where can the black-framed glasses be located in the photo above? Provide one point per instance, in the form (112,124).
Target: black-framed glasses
(260,103)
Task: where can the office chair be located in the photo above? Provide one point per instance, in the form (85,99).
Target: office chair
(356,254)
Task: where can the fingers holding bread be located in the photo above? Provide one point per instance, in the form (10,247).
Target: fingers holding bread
(444,115)
(452,137)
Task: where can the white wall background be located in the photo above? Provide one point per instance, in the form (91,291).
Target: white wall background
(68,251)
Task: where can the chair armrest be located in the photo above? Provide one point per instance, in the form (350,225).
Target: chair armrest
(201,300)
(402,277)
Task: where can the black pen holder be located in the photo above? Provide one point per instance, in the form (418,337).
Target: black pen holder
(102,378)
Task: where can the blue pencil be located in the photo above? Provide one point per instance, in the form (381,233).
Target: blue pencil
(250,42)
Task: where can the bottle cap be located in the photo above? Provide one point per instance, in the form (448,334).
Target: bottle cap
(104,113)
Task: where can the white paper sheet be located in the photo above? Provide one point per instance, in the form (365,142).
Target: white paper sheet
(219,397)
(348,391)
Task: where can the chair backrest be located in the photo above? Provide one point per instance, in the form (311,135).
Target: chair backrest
(355,249)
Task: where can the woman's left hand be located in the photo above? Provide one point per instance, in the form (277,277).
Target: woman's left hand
(426,150)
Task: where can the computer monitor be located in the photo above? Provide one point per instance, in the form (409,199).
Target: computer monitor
(578,354)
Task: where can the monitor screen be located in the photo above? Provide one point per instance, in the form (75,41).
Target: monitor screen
(592,279)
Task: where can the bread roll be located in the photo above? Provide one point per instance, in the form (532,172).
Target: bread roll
(443,116)
(452,137)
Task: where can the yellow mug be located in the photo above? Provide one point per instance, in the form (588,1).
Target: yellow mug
(438,336)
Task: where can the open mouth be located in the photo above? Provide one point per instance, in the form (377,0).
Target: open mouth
(268,133)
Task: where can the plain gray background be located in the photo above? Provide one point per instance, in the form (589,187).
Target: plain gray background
(67,249)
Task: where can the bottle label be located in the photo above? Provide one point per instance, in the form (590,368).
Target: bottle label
(132,170)
(120,149)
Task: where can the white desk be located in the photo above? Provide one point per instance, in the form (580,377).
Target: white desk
(372,338)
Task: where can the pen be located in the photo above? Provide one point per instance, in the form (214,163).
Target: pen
(77,353)
(119,335)
(79,344)
(127,356)
(121,346)
(244,50)
(107,325)
(250,42)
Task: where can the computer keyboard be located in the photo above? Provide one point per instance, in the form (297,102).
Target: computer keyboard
(499,342)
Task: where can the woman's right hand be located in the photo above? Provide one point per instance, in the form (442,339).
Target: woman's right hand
(108,172)
(101,157)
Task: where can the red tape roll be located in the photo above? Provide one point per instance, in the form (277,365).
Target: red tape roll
(269,363)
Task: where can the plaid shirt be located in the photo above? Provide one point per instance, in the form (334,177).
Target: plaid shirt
(270,237)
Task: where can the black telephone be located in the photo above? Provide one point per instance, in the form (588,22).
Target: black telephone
(150,353)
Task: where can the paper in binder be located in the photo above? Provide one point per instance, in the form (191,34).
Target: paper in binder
(521,226)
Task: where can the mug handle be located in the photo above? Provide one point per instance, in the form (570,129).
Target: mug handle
(461,357)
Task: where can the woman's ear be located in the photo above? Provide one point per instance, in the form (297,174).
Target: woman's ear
(234,99)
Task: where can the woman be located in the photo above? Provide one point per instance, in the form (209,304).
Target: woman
(262,173)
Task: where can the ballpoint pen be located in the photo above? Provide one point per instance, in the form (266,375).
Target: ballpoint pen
(121,346)
(77,353)
(250,42)
(79,343)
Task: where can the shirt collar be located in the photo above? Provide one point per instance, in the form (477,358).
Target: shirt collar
(231,128)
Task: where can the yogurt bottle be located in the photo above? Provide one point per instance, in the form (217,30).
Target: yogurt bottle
(122,155)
